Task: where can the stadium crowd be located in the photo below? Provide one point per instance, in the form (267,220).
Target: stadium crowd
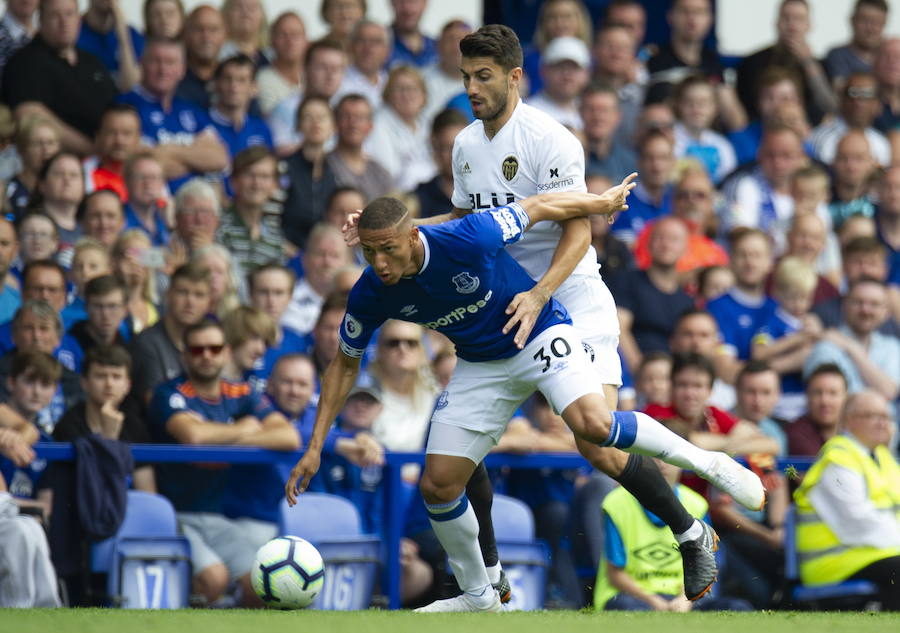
(174,271)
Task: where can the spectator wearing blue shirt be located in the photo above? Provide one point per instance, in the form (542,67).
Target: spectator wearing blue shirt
(10,298)
(601,116)
(91,260)
(147,197)
(235,88)
(200,407)
(106,35)
(184,139)
(411,46)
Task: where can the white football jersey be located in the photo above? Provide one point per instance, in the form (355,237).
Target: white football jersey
(531,154)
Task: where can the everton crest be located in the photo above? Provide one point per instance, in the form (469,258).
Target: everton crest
(466,283)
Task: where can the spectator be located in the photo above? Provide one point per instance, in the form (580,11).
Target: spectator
(198,407)
(791,51)
(106,35)
(270,287)
(807,241)
(696,332)
(197,216)
(443,80)
(102,216)
(52,79)
(118,138)
(325,339)
(10,298)
(868,358)
(649,302)
(45,280)
(160,348)
(745,308)
(324,65)
(411,46)
(615,61)
(247,30)
(399,131)
(859,108)
(631,16)
(652,380)
(434,195)
(369,47)
(325,254)
(107,311)
(181,134)
(38,240)
(656,117)
(826,392)
(37,139)
(691,21)
(310,179)
(761,198)
(253,236)
(867,21)
(628,581)
(17,28)
(556,18)
(91,259)
(887,70)
(853,167)
(223,282)
(613,254)
(163,19)
(847,526)
(695,107)
(204,37)
(351,165)
(758,389)
(283,78)
(601,117)
(59,191)
(146,208)
(235,88)
(810,236)
(132,253)
(694,205)
(341,16)
(788,336)
(565,65)
(713,282)
(248,333)
(887,220)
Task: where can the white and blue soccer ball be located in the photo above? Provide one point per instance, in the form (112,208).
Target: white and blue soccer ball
(288,573)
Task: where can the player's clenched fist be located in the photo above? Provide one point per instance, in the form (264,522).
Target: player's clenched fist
(301,475)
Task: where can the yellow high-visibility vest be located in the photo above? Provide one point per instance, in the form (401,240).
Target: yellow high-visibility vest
(653,559)
(823,558)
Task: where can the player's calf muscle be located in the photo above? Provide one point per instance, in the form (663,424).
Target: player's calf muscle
(588,420)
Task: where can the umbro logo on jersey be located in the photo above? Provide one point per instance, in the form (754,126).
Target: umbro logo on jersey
(466,169)
(554,173)
(510,167)
(408,310)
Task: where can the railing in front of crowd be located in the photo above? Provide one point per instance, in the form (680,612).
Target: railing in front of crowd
(395,519)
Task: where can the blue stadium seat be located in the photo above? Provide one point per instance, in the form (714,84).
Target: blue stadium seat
(524,558)
(148,563)
(332,524)
(814,595)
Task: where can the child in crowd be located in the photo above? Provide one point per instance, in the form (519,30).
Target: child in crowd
(811,190)
(91,259)
(787,338)
(38,239)
(653,383)
(695,107)
(713,282)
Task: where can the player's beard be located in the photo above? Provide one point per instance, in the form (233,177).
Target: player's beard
(502,101)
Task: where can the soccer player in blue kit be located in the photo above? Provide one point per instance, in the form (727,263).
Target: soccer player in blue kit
(457,278)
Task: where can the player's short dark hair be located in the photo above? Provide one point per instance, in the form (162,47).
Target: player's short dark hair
(268,267)
(495,41)
(451,117)
(107,356)
(693,360)
(35,364)
(753,368)
(826,369)
(382,213)
(104,285)
(241,60)
(206,323)
(863,244)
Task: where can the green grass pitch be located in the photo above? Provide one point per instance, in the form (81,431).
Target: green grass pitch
(239,621)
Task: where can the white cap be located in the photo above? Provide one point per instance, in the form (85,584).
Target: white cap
(566,49)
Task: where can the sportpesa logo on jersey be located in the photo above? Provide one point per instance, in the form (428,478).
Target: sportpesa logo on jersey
(458,314)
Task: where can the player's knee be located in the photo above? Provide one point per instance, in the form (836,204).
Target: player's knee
(439,490)
(595,425)
(212,581)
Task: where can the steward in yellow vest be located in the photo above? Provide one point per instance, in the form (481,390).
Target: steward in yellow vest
(848,506)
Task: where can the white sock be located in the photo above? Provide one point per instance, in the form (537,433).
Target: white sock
(636,432)
(691,534)
(456,527)
(494,573)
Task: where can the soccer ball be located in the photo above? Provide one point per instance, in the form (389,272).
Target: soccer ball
(288,573)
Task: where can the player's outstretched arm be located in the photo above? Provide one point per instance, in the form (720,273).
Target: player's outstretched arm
(339,378)
(559,207)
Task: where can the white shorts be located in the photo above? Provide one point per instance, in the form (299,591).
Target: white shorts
(482,397)
(594,316)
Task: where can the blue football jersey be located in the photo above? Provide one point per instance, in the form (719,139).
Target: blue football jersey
(739,318)
(466,282)
(779,325)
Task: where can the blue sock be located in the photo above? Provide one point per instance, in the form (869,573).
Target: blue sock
(623,430)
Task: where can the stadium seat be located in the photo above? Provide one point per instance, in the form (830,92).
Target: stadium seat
(148,563)
(852,591)
(332,524)
(524,558)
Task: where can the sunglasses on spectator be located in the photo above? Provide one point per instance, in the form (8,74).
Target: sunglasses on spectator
(394,343)
(199,350)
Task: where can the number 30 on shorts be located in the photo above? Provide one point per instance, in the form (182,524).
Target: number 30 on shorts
(559,347)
